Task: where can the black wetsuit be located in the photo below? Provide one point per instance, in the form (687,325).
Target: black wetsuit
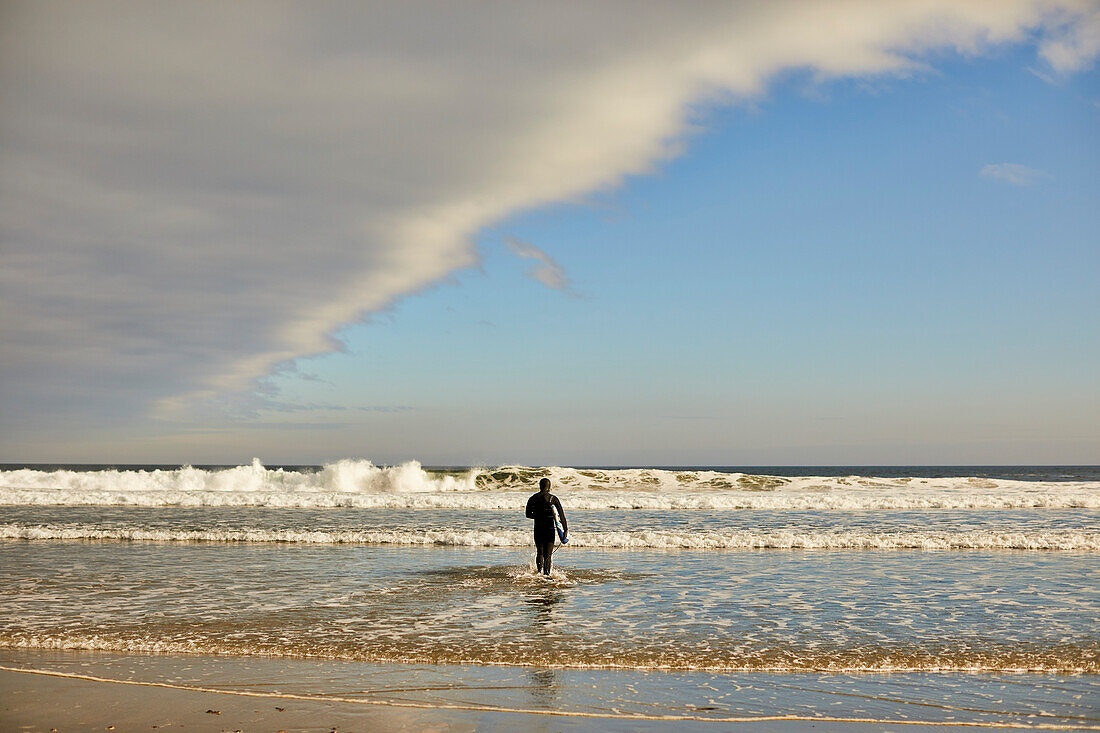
(540,507)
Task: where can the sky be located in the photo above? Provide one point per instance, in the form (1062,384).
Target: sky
(741,233)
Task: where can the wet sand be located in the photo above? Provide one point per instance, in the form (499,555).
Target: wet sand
(171,692)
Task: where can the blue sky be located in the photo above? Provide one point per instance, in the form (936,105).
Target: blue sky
(829,261)
(828,254)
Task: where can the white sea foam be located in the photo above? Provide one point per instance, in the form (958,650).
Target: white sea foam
(1065,540)
(359,483)
(1078,662)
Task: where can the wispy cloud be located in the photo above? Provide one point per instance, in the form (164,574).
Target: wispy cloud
(1014,173)
(547,271)
(1044,76)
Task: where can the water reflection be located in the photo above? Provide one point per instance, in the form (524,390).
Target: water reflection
(543,606)
(544,687)
(544,612)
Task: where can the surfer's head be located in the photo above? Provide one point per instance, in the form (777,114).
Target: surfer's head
(544,484)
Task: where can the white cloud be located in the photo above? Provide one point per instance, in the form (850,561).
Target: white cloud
(547,271)
(1074,46)
(1014,173)
(191,194)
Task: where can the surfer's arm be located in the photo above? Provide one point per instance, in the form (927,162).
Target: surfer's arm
(531,508)
(561,516)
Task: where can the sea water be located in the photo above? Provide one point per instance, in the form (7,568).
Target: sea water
(714,572)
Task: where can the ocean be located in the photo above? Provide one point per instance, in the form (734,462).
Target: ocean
(683,588)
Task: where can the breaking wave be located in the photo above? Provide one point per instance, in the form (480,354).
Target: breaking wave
(1062,540)
(359,483)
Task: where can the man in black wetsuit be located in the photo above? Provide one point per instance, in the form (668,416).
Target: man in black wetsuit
(540,507)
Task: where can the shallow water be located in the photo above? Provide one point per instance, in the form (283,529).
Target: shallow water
(749,610)
(835,575)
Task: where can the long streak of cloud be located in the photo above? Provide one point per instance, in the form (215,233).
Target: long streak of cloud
(192,193)
(1014,173)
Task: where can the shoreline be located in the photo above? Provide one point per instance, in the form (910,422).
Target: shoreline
(43,690)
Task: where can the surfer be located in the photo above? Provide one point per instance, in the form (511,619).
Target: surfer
(541,508)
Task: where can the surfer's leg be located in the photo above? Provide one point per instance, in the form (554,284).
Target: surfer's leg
(544,545)
(540,551)
(548,553)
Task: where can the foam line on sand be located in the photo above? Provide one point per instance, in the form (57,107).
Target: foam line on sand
(557,713)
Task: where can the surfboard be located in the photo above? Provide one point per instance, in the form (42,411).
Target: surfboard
(557,525)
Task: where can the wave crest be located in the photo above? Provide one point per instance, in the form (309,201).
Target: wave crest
(359,483)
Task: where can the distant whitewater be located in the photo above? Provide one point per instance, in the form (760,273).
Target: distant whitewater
(361,484)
